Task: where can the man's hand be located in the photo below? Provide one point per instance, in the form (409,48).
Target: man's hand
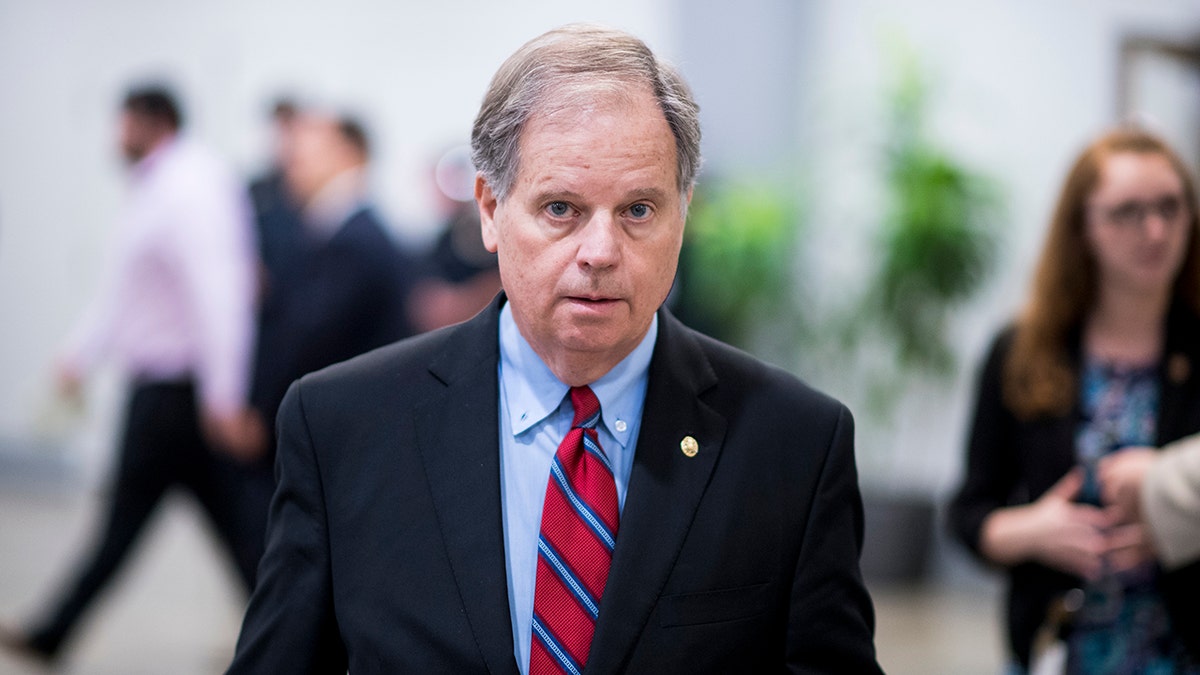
(1129,546)
(69,382)
(1121,475)
(241,435)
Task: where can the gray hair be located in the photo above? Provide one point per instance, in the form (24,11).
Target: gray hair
(567,67)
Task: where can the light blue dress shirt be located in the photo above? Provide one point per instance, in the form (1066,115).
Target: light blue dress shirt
(535,415)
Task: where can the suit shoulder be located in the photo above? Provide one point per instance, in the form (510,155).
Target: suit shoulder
(769,413)
(763,385)
(402,362)
(365,227)
(374,246)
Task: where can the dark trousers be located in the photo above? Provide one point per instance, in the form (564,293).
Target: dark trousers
(162,449)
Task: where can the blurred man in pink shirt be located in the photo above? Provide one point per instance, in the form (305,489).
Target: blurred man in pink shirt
(176,315)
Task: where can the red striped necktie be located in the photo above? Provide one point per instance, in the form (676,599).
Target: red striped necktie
(579,530)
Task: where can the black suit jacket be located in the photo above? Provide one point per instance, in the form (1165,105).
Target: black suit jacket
(386,552)
(328,302)
(279,224)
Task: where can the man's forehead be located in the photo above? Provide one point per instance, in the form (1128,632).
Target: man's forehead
(617,113)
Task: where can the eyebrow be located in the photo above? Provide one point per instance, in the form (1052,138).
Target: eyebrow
(651,194)
(557,195)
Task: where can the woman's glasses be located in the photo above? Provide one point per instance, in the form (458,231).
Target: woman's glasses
(1132,214)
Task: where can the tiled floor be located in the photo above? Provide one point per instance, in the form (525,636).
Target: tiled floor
(938,630)
(176,608)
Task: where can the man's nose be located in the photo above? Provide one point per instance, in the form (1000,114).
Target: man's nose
(600,241)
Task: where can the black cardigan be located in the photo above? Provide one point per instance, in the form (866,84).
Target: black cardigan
(1012,461)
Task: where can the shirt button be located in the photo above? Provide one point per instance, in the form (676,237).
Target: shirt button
(621,426)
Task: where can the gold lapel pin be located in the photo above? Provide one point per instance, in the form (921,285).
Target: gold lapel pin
(689,446)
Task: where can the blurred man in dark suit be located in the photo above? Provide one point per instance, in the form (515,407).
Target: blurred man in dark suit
(343,291)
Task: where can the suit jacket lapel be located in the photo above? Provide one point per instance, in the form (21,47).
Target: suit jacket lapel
(459,440)
(665,488)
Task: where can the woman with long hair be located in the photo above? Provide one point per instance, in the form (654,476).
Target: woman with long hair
(1104,356)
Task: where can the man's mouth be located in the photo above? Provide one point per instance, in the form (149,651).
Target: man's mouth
(592,300)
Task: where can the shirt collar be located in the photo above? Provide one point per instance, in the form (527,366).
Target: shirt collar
(533,392)
(146,165)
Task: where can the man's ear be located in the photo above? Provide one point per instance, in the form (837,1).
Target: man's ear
(487,212)
(687,204)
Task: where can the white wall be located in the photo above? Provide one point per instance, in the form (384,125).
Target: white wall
(1020,87)
(415,70)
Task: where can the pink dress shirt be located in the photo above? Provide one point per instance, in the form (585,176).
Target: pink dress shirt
(178,297)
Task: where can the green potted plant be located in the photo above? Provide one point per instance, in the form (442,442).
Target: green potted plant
(736,264)
(935,248)
(937,241)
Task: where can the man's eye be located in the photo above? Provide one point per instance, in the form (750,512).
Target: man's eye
(559,209)
(639,211)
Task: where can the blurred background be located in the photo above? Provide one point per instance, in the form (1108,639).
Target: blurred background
(878,178)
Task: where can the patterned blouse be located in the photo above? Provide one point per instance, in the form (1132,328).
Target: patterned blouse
(1122,626)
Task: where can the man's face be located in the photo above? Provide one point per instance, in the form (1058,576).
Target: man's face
(588,237)
(138,135)
(317,154)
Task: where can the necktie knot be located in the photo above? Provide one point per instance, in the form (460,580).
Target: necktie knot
(587,407)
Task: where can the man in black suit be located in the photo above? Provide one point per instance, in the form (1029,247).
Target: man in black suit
(572,481)
(335,284)
(342,289)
